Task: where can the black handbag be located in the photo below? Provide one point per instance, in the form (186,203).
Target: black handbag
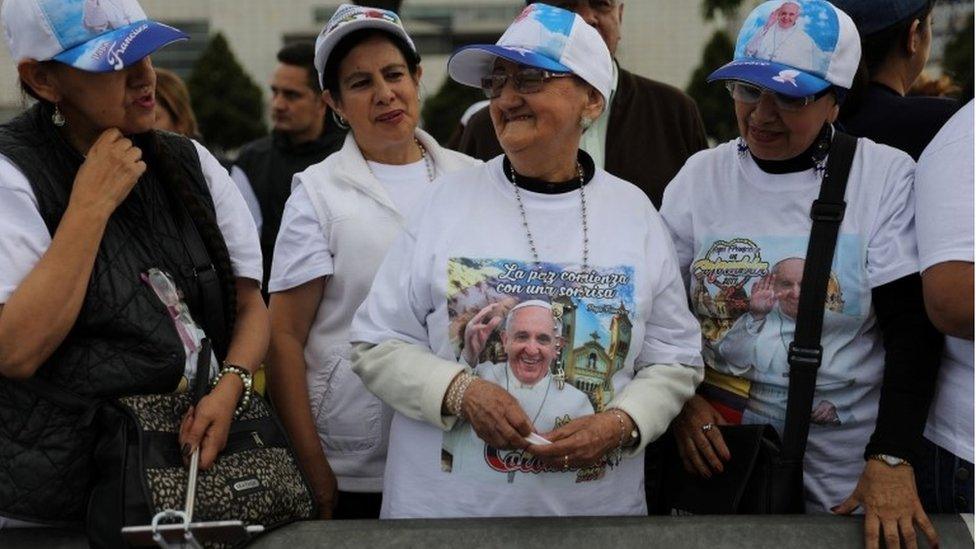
(140,469)
(765,475)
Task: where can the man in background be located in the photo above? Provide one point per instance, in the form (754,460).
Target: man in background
(301,136)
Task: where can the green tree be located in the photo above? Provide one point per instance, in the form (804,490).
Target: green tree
(442,111)
(728,8)
(228,104)
(958,59)
(713,100)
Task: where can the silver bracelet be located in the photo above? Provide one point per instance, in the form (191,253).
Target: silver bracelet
(455,394)
(246,379)
(619,414)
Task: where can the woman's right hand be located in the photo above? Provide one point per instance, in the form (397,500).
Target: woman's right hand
(496,416)
(702,451)
(110,171)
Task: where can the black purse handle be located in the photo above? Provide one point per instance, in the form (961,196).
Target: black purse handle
(805,352)
(205,273)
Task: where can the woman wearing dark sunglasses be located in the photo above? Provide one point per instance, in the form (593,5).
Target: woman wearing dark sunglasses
(534,262)
(740,217)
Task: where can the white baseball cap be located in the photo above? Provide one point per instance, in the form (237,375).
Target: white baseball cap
(795,47)
(91,35)
(349,18)
(545,37)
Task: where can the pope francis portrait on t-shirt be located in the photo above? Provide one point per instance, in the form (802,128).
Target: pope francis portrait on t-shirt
(531,341)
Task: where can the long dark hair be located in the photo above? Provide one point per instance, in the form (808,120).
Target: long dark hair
(875,49)
(176,183)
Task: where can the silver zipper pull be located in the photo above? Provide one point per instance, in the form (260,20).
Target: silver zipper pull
(257,438)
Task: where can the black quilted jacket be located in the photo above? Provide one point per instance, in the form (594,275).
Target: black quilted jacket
(123,341)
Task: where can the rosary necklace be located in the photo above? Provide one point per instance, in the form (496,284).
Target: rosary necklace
(525,219)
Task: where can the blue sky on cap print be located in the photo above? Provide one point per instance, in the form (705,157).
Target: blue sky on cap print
(65,17)
(818,19)
(555,20)
(78,21)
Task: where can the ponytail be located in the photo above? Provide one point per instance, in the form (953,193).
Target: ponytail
(177,186)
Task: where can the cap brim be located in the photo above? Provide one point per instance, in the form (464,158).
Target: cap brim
(773,76)
(470,64)
(120,48)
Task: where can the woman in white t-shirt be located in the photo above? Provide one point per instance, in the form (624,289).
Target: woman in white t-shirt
(338,222)
(740,218)
(553,277)
(99,295)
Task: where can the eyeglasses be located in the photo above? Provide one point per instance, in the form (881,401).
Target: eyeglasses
(747,93)
(526,79)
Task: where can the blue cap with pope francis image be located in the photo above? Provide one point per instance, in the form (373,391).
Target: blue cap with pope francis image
(795,47)
(90,35)
(544,37)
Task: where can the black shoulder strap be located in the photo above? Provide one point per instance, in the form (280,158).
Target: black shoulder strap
(206,276)
(806,353)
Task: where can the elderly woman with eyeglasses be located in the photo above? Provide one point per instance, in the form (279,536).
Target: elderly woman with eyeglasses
(740,215)
(530,326)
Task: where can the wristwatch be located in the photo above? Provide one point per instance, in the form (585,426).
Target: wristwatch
(891,461)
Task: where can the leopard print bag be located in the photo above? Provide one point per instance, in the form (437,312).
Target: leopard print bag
(256,478)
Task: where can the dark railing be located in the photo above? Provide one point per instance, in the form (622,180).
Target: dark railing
(560,533)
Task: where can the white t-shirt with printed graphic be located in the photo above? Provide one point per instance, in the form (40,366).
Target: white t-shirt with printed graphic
(547,405)
(466,248)
(944,198)
(735,226)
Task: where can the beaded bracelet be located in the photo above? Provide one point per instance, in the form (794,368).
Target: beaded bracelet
(455,394)
(246,379)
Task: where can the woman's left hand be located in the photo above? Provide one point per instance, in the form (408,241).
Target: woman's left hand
(207,424)
(891,507)
(582,442)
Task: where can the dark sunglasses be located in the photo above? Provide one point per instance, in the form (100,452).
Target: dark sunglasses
(526,79)
(748,93)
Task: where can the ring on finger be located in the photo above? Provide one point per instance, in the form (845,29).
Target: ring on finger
(566,462)
(707,427)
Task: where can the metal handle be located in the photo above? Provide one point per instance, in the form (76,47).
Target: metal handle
(191,484)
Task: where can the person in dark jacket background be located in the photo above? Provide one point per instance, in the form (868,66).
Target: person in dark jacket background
(302,136)
(896,37)
(645,135)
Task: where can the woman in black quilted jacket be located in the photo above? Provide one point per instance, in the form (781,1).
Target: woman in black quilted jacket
(98,292)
